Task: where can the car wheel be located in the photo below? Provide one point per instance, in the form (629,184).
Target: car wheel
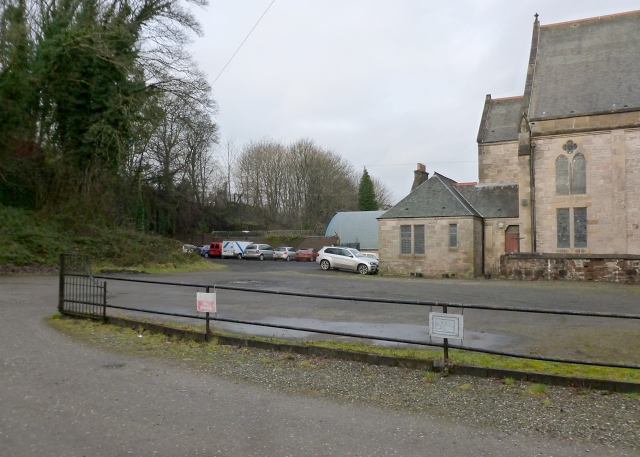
(325,265)
(261,257)
(206,255)
(239,256)
(287,258)
(363,269)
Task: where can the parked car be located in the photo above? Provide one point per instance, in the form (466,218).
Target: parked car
(259,251)
(202,250)
(215,250)
(341,258)
(234,249)
(188,248)
(306,255)
(371,255)
(284,253)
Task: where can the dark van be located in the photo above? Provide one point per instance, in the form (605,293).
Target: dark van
(215,250)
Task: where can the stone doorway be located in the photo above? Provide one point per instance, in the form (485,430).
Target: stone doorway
(512,239)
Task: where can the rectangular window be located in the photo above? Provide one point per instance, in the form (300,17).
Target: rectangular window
(579,227)
(564,240)
(405,239)
(418,239)
(453,235)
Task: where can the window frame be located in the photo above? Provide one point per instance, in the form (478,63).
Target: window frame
(453,235)
(419,239)
(406,237)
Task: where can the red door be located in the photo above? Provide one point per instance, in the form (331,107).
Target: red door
(512,239)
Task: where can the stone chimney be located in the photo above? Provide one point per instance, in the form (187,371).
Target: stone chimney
(420,175)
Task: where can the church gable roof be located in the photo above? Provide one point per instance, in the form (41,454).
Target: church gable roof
(501,119)
(436,197)
(586,67)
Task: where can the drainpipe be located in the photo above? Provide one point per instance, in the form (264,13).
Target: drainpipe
(533,196)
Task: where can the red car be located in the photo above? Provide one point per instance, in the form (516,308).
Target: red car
(306,254)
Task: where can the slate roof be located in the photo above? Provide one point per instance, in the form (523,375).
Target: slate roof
(493,200)
(587,66)
(356,227)
(440,196)
(501,119)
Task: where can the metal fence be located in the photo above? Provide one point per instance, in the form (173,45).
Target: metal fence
(82,294)
(79,292)
(262,233)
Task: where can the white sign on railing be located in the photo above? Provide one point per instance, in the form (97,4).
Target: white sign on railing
(206,302)
(443,325)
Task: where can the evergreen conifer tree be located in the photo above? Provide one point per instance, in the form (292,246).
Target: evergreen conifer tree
(366,193)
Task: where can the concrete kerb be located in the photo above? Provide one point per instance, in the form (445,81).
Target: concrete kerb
(386,360)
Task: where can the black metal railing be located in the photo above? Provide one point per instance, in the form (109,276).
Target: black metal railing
(79,292)
(82,294)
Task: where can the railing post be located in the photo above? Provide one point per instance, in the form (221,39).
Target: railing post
(104,302)
(206,334)
(445,344)
(61,285)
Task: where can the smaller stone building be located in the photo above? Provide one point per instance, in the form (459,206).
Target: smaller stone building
(445,227)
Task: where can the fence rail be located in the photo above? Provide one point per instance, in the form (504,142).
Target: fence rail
(263,233)
(84,294)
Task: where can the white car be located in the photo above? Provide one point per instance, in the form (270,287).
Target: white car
(371,255)
(340,258)
(284,253)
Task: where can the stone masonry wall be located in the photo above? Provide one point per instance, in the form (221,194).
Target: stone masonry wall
(571,267)
(439,258)
(498,163)
(494,243)
(612,197)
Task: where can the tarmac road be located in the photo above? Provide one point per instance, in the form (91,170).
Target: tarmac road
(570,337)
(60,397)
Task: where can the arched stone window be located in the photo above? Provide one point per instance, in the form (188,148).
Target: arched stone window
(562,175)
(579,175)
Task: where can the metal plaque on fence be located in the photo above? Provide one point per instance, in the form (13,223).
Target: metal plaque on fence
(206,302)
(443,325)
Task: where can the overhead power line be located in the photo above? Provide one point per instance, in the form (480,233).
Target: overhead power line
(245,39)
(413,163)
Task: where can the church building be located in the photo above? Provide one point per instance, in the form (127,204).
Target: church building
(558,166)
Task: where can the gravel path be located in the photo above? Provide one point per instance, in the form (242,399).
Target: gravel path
(600,417)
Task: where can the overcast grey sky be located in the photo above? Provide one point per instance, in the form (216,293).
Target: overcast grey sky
(385,84)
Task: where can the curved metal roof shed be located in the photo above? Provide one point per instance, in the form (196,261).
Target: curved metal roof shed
(356,227)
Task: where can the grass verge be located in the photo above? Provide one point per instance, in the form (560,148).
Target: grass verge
(129,340)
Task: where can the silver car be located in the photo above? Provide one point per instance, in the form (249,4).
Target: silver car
(259,251)
(341,258)
(284,253)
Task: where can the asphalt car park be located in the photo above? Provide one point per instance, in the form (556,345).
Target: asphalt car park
(563,336)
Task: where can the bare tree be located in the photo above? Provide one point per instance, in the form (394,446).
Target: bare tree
(384,196)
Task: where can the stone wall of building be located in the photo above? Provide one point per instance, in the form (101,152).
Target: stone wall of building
(612,197)
(498,163)
(439,258)
(572,267)
(494,242)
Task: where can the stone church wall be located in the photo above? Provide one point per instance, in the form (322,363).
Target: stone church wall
(498,163)
(612,192)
